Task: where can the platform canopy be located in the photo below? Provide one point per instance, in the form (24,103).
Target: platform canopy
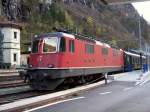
(115,2)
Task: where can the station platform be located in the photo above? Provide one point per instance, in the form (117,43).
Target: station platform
(135,76)
(129,76)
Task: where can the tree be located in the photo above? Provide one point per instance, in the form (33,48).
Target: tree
(114,41)
(90,22)
(68,20)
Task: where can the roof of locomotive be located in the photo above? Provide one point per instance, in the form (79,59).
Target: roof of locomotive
(54,34)
(62,34)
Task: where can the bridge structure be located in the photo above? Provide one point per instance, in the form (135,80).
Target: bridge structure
(115,2)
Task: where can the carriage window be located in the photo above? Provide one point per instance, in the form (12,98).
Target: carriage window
(62,47)
(35,46)
(71,46)
(50,44)
(89,49)
(139,60)
(133,60)
(104,51)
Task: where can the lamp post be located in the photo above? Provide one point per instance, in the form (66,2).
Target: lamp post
(140,37)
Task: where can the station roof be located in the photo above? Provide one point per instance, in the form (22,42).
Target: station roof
(113,2)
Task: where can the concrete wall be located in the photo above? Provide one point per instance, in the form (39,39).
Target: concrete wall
(23,60)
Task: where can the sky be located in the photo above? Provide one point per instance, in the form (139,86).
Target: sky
(144,9)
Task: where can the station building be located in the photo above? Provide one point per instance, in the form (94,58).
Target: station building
(9,45)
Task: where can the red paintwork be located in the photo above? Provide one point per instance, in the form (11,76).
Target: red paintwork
(77,59)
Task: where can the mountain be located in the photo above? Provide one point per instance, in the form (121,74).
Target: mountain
(117,25)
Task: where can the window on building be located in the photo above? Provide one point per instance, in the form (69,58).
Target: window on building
(71,46)
(89,49)
(15,57)
(15,35)
(104,51)
(62,47)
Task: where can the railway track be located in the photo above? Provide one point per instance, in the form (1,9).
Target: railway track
(19,95)
(8,95)
(10,84)
(13,88)
(9,76)
(43,98)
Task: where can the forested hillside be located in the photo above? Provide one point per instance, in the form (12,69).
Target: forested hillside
(116,25)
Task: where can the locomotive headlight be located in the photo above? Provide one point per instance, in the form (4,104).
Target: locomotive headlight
(50,66)
(30,66)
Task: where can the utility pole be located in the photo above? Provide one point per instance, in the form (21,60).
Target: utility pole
(140,37)
(147,56)
(0,8)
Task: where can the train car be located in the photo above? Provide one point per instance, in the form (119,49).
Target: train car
(133,61)
(58,56)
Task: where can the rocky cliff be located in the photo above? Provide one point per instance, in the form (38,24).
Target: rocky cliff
(117,25)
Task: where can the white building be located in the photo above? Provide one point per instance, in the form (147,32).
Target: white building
(10,45)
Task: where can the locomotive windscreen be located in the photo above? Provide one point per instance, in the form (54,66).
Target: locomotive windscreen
(50,44)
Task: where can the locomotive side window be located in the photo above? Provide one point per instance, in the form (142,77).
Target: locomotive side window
(89,49)
(62,47)
(50,44)
(71,46)
(104,51)
(115,52)
(35,46)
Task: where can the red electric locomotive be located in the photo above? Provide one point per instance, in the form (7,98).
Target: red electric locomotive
(58,56)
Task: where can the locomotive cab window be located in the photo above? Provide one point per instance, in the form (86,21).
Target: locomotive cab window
(62,47)
(35,46)
(50,44)
(71,46)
